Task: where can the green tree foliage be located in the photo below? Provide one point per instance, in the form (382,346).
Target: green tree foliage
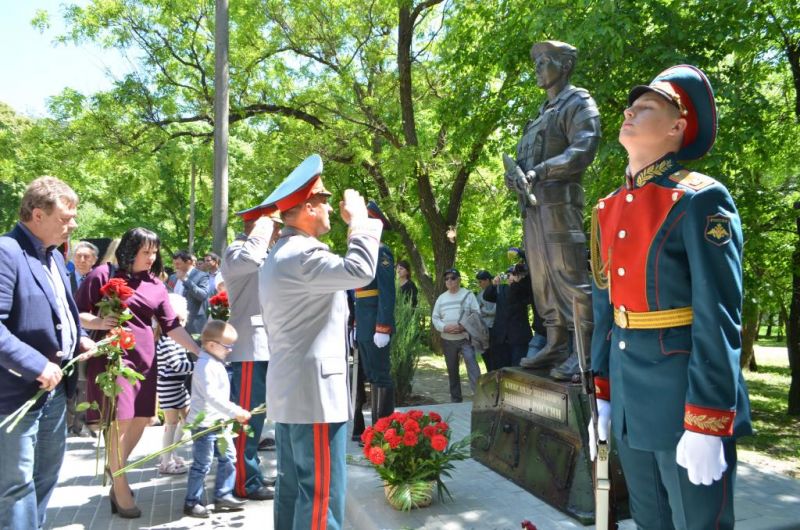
(411,103)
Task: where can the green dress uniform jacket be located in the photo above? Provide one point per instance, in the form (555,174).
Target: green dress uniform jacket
(667,298)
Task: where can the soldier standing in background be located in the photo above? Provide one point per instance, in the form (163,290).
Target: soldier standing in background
(374,308)
(554,151)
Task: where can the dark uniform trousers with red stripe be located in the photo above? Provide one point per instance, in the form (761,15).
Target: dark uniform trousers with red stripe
(249,390)
(312,477)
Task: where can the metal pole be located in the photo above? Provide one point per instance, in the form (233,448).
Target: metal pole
(219,217)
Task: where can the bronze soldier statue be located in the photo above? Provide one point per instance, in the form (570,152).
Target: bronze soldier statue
(554,151)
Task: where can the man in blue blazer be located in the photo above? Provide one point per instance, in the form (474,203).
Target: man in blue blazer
(39,332)
(191,283)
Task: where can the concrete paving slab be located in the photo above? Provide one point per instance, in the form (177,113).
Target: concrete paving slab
(482,499)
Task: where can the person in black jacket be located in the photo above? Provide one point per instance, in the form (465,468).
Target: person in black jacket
(407,286)
(512,329)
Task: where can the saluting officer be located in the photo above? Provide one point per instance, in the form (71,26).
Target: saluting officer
(375,325)
(302,289)
(667,268)
(249,359)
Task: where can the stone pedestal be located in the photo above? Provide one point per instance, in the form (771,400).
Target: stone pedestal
(532,430)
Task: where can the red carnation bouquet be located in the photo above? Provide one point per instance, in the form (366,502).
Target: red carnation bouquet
(218,306)
(410,450)
(115,293)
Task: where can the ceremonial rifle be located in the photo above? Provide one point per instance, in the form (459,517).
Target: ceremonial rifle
(524,199)
(603,509)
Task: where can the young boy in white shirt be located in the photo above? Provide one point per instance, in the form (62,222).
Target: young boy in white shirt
(210,396)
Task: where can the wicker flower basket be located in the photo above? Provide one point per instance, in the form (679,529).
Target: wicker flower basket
(408,496)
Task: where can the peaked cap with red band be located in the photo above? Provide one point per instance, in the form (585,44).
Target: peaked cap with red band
(374,211)
(251,214)
(301,184)
(688,88)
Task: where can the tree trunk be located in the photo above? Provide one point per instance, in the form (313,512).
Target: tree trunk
(750,322)
(219,214)
(192,195)
(793,328)
(768,334)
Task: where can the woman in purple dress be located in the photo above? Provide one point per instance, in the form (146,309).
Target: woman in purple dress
(139,263)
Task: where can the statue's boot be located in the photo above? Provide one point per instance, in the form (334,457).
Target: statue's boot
(553,353)
(385,399)
(568,370)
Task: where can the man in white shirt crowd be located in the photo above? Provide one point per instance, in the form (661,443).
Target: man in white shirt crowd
(447,311)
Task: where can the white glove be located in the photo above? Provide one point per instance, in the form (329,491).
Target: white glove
(381,339)
(702,456)
(603,426)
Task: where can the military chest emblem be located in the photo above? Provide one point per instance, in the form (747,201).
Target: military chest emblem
(385,262)
(718,229)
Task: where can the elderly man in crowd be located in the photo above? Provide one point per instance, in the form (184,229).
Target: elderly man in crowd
(39,332)
(448,308)
(84,257)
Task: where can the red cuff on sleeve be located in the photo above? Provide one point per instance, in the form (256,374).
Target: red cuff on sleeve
(383,328)
(602,388)
(708,421)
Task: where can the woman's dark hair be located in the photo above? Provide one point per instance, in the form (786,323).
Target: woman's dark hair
(130,244)
(403,263)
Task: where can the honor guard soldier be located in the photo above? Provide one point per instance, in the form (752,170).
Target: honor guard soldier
(667,297)
(375,325)
(302,288)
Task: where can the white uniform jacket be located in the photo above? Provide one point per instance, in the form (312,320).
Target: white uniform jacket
(303,300)
(240,264)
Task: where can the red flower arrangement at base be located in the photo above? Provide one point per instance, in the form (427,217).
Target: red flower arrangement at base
(411,451)
(218,306)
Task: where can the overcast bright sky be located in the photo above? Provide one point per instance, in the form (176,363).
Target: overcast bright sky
(33,68)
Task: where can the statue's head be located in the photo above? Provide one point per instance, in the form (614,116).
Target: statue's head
(554,62)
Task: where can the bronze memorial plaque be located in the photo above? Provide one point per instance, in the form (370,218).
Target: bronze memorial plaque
(536,400)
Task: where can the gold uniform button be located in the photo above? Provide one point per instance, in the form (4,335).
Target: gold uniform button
(629,197)
(621,271)
(601,205)
(622,234)
(675,196)
(622,345)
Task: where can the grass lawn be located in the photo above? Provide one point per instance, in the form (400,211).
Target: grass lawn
(777,434)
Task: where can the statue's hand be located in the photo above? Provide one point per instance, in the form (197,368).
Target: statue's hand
(511,179)
(523,183)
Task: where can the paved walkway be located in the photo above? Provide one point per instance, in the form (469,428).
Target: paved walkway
(482,499)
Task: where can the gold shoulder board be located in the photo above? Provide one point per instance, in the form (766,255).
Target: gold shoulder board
(692,179)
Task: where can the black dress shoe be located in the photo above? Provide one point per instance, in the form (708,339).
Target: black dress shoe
(229,503)
(198,510)
(267,444)
(264,493)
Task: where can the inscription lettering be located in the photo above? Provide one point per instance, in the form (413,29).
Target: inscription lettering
(545,403)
